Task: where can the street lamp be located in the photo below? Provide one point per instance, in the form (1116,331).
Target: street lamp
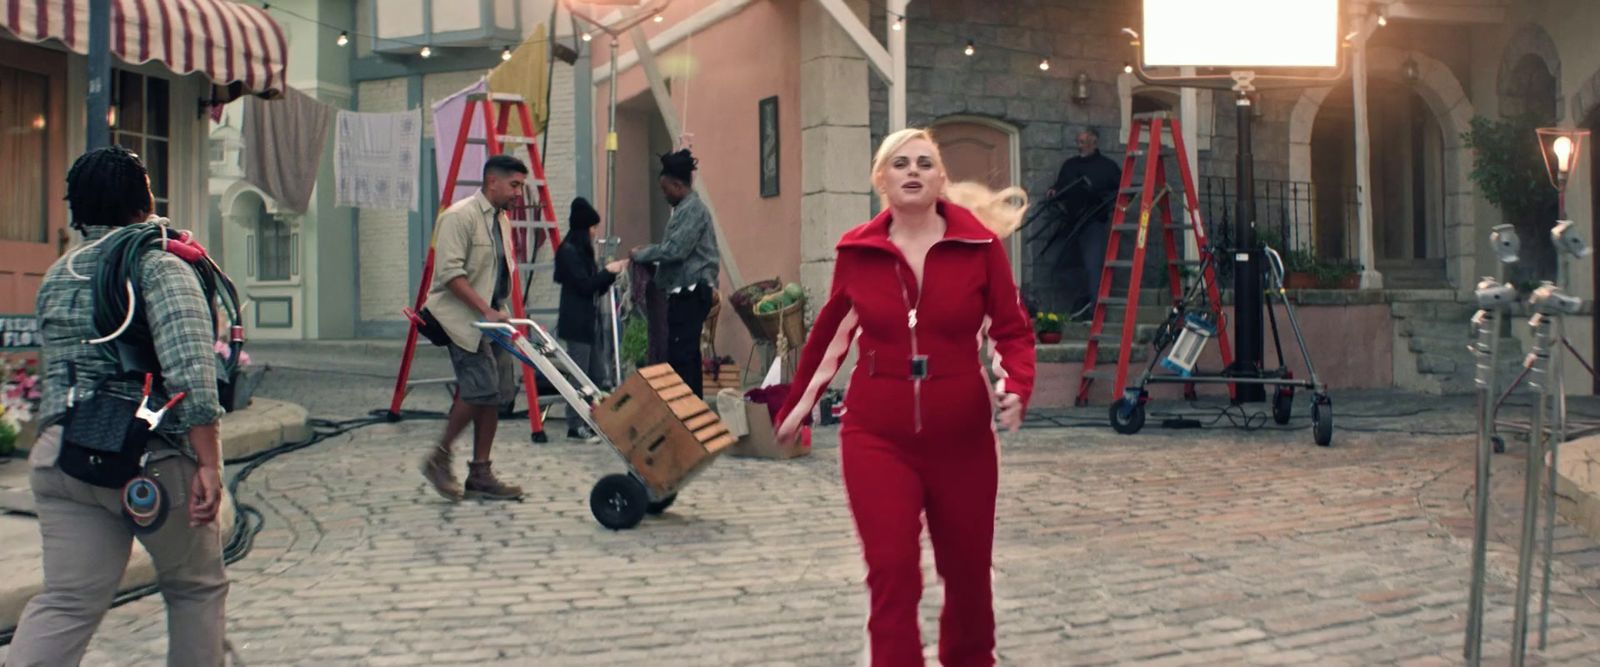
(648,11)
(1252,44)
(1561,148)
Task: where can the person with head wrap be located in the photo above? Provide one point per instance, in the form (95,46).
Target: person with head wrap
(582,282)
(688,265)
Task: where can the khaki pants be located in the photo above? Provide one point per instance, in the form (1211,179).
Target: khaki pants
(87,543)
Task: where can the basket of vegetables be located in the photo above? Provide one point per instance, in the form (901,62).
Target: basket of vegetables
(744,303)
(783,313)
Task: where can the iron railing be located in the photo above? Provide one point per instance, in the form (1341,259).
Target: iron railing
(1290,216)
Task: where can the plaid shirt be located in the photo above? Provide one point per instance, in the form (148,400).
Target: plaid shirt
(170,300)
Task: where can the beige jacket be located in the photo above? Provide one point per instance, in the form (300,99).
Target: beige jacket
(463,246)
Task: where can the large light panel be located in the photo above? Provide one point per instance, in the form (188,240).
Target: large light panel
(1241,33)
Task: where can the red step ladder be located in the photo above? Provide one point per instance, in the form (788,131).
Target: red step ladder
(528,232)
(1154,195)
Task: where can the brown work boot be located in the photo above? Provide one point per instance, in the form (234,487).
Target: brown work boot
(436,469)
(481,483)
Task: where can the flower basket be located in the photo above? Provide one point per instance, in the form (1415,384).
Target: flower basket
(788,322)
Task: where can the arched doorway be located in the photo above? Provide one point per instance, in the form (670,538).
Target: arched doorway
(1408,183)
(1430,204)
(986,151)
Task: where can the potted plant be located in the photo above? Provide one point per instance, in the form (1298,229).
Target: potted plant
(19,401)
(236,390)
(1048,326)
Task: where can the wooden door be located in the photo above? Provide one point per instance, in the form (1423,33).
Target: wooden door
(981,152)
(32,166)
(975,152)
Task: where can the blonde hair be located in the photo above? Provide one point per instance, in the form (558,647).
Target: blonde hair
(1001,211)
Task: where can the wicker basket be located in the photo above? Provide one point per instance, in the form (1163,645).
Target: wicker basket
(789,321)
(746,310)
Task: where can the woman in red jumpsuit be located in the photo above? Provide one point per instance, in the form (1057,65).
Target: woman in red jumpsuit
(918,289)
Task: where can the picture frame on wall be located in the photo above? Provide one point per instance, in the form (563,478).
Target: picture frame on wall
(768,113)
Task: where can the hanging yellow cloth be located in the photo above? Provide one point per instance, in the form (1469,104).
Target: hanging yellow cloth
(525,74)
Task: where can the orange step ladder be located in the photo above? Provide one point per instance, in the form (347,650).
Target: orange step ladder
(1144,146)
(532,226)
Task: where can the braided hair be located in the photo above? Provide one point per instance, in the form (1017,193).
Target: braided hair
(108,187)
(680,166)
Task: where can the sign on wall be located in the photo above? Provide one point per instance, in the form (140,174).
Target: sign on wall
(19,332)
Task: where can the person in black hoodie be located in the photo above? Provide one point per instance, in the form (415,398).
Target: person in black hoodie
(582,282)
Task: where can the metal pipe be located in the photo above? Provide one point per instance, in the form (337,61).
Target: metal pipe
(1558,433)
(1530,496)
(99,101)
(1557,436)
(611,211)
(1489,357)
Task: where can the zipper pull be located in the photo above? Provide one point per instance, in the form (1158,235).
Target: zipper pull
(911,319)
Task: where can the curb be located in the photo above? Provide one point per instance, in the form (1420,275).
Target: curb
(265,424)
(1578,484)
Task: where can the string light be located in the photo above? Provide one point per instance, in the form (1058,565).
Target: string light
(345,34)
(971,46)
(587,37)
(660,18)
(506,54)
(1127,69)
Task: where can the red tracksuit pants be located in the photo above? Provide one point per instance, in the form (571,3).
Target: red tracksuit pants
(891,484)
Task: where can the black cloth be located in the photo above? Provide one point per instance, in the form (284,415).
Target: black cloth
(1088,200)
(502,278)
(686,318)
(651,301)
(582,282)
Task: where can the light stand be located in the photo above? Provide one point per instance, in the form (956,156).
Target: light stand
(611,243)
(1551,305)
(1495,299)
(1249,342)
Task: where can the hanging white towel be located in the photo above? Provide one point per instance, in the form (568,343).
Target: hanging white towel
(376,159)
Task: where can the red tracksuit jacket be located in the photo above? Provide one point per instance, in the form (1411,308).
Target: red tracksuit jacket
(919,369)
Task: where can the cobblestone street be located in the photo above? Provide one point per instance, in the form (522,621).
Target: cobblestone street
(1208,547)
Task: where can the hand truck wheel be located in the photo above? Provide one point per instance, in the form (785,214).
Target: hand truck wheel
(1127,417)
(1499,444)
(659,506)
(1282,405)
(618,501)
(1322,420)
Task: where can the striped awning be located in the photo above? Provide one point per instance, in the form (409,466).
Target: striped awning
(240,48)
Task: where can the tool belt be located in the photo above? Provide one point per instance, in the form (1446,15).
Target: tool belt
(102,442)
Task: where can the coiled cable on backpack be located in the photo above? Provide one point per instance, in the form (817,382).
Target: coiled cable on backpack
(123,254)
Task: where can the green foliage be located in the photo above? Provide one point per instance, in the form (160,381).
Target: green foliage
(1508,167)
(8,438)
(635,341)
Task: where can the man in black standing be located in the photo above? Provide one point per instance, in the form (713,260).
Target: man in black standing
(1087,188)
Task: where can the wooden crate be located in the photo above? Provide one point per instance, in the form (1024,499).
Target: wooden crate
(728,376)
(661,428)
